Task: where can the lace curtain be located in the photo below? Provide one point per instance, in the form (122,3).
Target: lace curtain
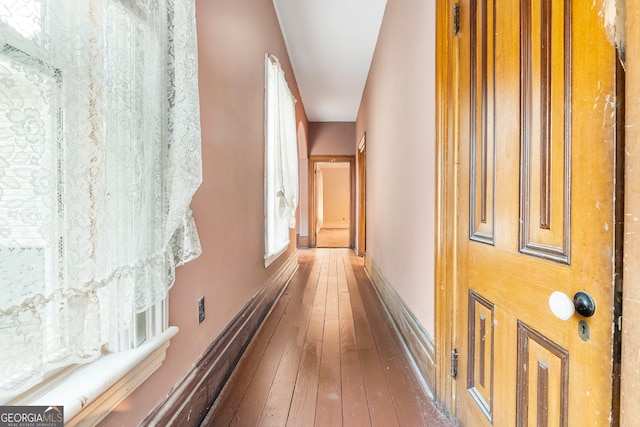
(281,166)
(99,159)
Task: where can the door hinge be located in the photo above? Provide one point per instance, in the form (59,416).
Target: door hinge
(456,19)
(454,363)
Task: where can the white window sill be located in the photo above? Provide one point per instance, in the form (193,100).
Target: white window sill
(270,258)
(91,392)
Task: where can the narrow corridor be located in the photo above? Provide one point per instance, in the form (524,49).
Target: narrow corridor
(327,355)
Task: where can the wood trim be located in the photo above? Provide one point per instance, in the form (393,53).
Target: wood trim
(525,371)
(543,395)
(545,115)
(190,399)
(447,77)
(560,254)
(419,345)
(362,196)
(482,134)
(312,195)
(303,241)
(484,401)
(483,350)
(620,235)
(473,112)
(311,179)
(630,374)
(485,113)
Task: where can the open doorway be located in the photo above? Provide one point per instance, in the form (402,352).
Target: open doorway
(331,202)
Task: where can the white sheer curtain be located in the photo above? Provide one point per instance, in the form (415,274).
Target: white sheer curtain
(281,158)
(99,159)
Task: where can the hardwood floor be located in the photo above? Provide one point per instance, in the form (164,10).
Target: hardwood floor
(327,355)
(332,238)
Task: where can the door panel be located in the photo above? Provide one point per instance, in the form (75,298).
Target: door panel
(545,81)
(543,378)
(481,352)
(482,135)
(536,211)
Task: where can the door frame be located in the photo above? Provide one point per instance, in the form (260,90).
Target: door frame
(630,393)
(447,46)
(361,247)
(313,160)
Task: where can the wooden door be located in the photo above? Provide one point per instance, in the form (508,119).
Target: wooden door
(536,177)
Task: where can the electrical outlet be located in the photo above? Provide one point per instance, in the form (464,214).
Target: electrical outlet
(201,310)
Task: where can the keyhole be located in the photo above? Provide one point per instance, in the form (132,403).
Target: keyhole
(583,330)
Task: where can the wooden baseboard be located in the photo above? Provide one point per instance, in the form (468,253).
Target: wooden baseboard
(419,344)
(303,241)
(189,401)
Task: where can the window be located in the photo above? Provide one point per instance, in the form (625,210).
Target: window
(99,159)
(281,161)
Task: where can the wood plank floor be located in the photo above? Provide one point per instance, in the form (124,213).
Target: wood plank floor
(332,238)
(326,355)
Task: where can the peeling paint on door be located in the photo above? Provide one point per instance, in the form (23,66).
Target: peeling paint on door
(613,13)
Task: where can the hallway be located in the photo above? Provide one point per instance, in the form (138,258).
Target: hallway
(326,356)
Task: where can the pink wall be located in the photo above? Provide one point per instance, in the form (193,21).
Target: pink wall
(233,39)
(398,114)
(331,138)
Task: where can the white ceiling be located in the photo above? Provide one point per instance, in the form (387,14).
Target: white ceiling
(330,45)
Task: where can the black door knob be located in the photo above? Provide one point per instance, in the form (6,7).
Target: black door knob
(585,305)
